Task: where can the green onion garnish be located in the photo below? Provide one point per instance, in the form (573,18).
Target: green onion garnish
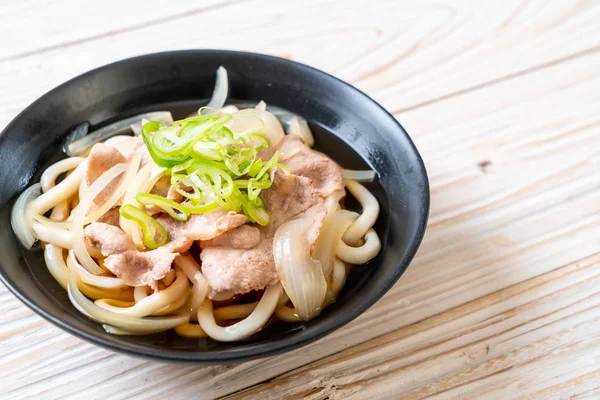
(175,210)
(210,166)
(154,233)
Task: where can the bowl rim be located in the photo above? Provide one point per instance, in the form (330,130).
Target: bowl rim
(271,348)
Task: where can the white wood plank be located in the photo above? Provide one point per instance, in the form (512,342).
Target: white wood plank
(535,227)
(422,52)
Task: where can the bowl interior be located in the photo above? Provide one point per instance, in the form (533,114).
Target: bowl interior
(348,126)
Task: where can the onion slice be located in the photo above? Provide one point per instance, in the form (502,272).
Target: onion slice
(301,276)
(21,217)
(330,235)
(359,175)
(299,126)
(220,91)
(82,145)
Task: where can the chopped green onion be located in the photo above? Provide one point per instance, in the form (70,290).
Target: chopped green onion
(154,233)
(175,210)
(210,166)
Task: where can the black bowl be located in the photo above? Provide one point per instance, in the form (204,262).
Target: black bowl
(348,125)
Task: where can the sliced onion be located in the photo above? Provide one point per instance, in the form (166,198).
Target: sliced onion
(370,212)
(230,109)
(85,201)
(330,235)
(75,134)
(301,276)
(359,175)
(81,146)
(256,119)
(299,126)
(246,327)
(48,179)
(217,101)
(138,325)
(160,116)
(21,217)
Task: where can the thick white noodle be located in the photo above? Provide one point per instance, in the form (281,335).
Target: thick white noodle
(140,293)
(154,302)
(63,191)
(362,254)
(191,269)
(246,327)
(332,202)
(61,211)
(139,325)
(370,212)
(58,237)
(85,201)
(53,255)
(106,282)
(48,178)
(222,296)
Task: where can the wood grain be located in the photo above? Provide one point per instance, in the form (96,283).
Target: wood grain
(501,100)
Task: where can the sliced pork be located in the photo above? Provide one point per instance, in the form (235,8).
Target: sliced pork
(137,268)
(101,159)
(104,240)
(241,270)
(325,174)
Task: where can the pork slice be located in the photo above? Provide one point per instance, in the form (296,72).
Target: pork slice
(177,242)
(325,174)
(288,197)
(199,227)
(135,144)
(111,217)
(104,240)
(242,237)
(101,159)
(138,268)
(212,224)
(241,270)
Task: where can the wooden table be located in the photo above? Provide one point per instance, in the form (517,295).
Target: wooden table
(502,100)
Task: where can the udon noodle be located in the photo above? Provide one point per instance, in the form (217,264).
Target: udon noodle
(158,283)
